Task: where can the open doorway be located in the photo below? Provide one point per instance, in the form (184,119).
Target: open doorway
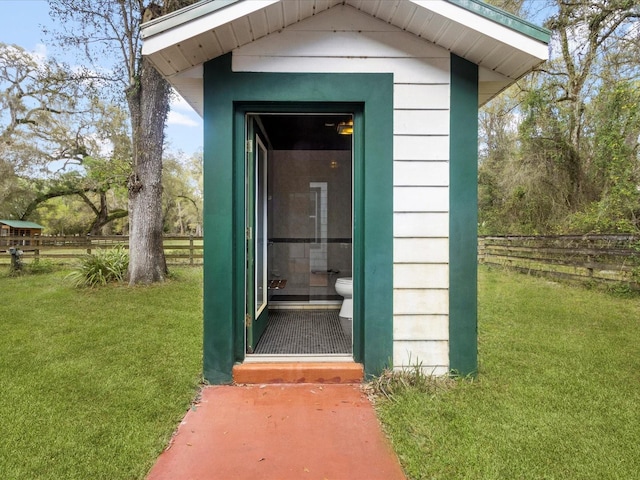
(299,224)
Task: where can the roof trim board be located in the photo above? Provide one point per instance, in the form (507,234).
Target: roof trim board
(205,7)
(499,27)
(502,45)
(504,18)
(184,15)
(198,19)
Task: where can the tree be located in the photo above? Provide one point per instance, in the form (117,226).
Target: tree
(498,146)
(57,139)
(583,31)
(615,169)
(37,97)
(182,199)
(574,164)
(111,29)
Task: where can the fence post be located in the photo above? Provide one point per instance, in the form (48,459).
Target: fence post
(88,245)
(36,252)
(191,249)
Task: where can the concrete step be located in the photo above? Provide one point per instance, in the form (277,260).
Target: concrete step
(298,372)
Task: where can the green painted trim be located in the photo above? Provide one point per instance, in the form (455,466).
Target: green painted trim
(358,236)
(220,209)
(226,95)
(505,19)
(238,275)
(182,16)
(463,217)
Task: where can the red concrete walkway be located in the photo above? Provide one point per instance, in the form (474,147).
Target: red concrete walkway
(279,432)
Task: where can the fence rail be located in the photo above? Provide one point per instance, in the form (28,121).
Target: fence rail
(179,250)
(600,258)
(596,258)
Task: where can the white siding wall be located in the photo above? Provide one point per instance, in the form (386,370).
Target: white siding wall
(345,40)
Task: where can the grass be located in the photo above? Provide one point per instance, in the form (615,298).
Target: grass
(557,396)
(94,381)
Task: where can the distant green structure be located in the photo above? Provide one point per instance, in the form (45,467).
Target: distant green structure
(9,229)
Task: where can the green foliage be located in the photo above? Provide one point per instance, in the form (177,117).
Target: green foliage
(616,126)
(41,266)
(574,167)
(621,289)
(182,194)
(546,185)
(603,216)
(100,268)
(65,215)
(525,185)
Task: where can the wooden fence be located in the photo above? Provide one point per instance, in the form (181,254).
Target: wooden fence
(586,258)
(63,250)
(600,258)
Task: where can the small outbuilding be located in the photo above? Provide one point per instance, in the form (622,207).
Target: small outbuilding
(18,228)
(340,172)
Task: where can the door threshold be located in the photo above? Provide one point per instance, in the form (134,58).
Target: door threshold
(317,305)
(298,358)
(299,372)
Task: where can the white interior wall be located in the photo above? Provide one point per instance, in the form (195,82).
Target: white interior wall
(343,40)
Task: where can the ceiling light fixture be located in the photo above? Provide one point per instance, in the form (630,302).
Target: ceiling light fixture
(345,128)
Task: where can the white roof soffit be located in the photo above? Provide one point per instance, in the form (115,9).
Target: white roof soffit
(504,46)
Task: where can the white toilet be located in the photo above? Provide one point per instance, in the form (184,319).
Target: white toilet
(344,288)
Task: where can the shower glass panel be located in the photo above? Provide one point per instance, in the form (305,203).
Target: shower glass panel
(309,206)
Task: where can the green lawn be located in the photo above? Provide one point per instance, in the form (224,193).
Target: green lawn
(93,382)
(557,397)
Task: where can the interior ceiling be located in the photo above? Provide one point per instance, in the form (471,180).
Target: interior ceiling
(305,132)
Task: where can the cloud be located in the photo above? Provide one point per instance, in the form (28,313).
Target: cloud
(177,118)
(40,52)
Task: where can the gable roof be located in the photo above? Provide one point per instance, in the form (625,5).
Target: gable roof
(504,46)
(20,224)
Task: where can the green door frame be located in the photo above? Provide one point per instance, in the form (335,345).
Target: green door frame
(240,114)
(226,95)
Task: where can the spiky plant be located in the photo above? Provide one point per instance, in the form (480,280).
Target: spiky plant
(100,268)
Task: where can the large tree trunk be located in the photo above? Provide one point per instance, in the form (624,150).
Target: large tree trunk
(149,105)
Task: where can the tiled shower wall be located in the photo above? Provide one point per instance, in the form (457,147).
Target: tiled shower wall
(309,201)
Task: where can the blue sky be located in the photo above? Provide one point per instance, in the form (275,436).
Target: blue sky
(20,24)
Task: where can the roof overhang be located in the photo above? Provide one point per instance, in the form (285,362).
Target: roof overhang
(505,47)
(20,224)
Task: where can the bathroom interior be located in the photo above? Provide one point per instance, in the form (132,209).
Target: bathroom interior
(307,209)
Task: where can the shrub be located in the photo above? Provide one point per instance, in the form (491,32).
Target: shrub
(40,265)
(100,268)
